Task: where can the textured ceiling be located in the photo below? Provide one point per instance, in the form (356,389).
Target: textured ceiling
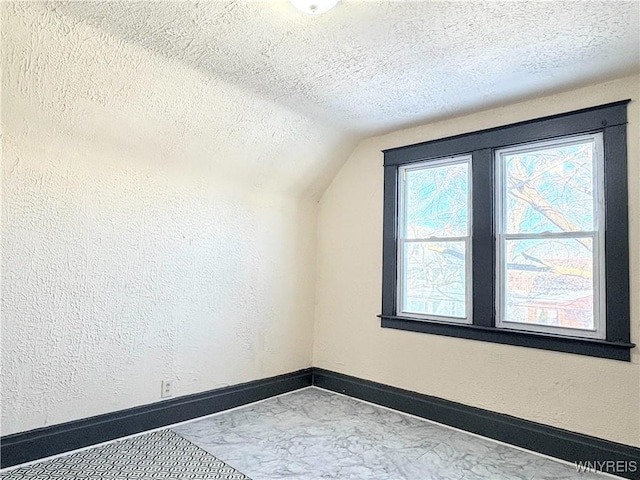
(259,93)
(67,85)
(372,66)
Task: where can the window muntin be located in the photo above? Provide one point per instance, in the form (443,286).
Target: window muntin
(550,237)
(434,240)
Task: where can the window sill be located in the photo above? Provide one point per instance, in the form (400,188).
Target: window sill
(544,341)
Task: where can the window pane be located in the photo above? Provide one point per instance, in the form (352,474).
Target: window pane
(434,278)
(550,189)
(436,201)
(550,282)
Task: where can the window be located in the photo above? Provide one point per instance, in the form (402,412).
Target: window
(517,235)
(550,236)
(434,237)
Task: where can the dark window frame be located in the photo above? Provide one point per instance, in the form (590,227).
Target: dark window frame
(611,120)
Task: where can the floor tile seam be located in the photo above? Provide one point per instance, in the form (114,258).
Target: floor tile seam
(535,475)
(535,472)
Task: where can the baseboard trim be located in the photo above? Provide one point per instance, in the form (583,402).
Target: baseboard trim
(44,442)
(552,441)
(570,446)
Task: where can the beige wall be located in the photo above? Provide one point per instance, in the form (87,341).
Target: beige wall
(160,224)
(583,394)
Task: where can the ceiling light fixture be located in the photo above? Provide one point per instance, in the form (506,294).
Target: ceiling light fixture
(314,7)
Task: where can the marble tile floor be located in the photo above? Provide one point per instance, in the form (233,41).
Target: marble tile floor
(315,434)
(310,434)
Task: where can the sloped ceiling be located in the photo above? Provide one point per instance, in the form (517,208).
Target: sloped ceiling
(371,66)
(277,98)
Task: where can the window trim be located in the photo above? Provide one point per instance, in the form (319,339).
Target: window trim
(610,119)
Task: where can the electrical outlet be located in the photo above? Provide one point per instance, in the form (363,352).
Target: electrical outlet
(166,388)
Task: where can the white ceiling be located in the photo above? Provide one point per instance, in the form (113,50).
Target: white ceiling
(372,66)
(265,96)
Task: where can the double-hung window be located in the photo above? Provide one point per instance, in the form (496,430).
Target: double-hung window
(513,235)
(434,254)
(550,236)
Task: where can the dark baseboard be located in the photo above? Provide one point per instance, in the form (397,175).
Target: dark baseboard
(555,442)
(44,442)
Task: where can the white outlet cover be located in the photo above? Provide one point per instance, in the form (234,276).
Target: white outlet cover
(166,388)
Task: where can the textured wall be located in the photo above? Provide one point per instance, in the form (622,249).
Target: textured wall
(584,394)
(156,224)
(158,216)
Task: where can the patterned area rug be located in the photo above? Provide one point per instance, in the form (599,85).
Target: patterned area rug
(157,455)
